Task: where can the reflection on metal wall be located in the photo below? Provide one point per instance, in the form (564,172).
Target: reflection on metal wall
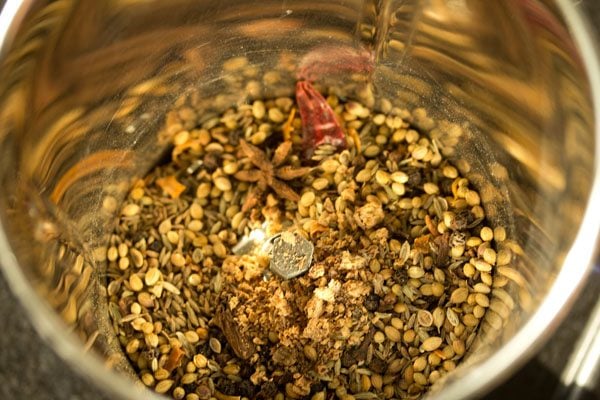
(86,85)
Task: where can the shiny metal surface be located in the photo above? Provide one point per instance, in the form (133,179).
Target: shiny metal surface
(85,85)
(582,370)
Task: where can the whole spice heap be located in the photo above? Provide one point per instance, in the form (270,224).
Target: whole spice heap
(400,277)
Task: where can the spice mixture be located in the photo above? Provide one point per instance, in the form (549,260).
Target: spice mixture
(400,273)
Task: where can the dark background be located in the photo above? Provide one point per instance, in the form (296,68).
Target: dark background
(29,369)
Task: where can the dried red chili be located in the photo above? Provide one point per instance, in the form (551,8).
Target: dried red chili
(319,122)
(328,60)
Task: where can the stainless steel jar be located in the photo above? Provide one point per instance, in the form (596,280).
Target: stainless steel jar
(84,86)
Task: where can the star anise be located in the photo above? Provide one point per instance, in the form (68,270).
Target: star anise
(269,173)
